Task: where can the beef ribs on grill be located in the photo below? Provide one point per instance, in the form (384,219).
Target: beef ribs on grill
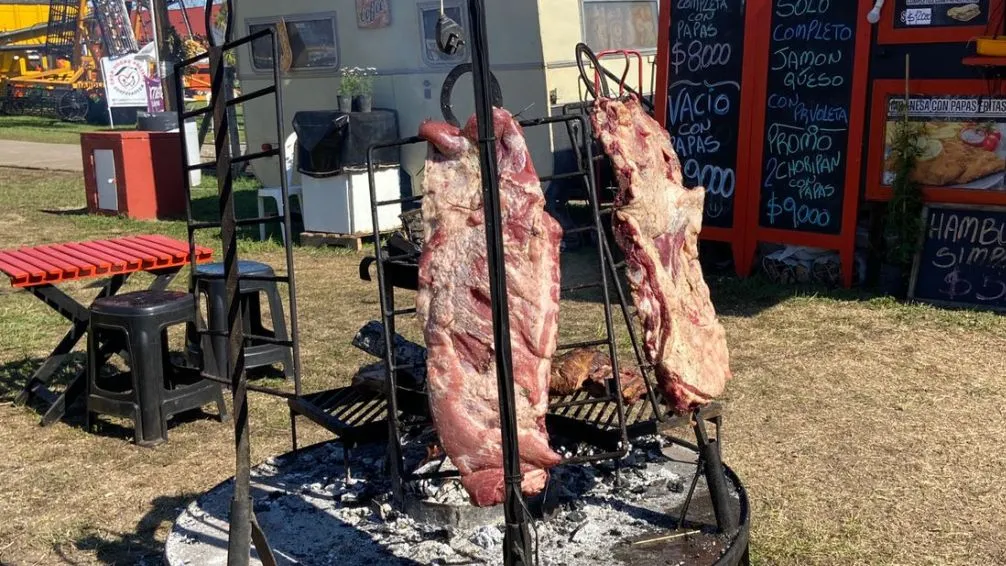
(656,224)
(590,369)
(570,370)
(453,305)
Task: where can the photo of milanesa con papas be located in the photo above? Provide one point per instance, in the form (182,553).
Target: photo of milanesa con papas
(967,155)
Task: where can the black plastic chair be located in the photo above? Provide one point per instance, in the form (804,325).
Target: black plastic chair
(157,389)
(214,347)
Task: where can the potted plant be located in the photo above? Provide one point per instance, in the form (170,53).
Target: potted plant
(349,84)
(363,100)
(903,224)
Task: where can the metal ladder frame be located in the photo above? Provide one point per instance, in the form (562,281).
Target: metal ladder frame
(243,526)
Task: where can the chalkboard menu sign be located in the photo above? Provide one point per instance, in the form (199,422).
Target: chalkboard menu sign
(940,13)
(962,261)
(811,60)
(703,110)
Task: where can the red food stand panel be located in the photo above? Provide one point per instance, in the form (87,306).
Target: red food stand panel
(844,239)
(721,34)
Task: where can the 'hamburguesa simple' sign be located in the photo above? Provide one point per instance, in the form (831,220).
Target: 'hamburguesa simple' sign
(373,14)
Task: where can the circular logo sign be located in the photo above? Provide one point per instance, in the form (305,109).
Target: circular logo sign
(128,77)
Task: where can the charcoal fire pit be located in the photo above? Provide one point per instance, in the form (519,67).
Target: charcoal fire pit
(316,515)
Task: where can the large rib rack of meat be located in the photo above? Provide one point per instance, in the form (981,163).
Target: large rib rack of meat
(656,224)
(454,307)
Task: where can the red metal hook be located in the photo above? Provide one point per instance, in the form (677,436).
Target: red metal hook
(626,54)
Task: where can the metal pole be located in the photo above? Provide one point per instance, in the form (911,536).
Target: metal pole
(157,45)
(185,18)
(517,539)
(232,119)
(240,520)
(161,23)
(716,480)
(239,540)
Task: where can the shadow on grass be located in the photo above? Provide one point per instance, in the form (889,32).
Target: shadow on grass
(82,211)
(731,295)
(734,296)
(138,547)
(15,375)
(122,429)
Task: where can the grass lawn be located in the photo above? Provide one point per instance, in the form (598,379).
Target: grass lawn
(47,130)
(866,431)
(51,130)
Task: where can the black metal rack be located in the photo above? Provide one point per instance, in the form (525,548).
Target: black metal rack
(710,462)
(602,422)
(355,408)
(388,283)
(243,525)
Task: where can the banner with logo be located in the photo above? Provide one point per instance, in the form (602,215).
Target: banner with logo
(125,81)
(155,95)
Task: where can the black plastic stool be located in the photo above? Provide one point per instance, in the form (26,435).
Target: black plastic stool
(158,390)
(257,353)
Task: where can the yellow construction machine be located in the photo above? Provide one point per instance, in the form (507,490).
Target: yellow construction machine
(53,70)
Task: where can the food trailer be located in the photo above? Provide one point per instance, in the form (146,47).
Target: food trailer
(533,59)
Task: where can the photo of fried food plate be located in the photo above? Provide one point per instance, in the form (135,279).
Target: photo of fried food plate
(918,128)
(929,148)
(943,130)
(964,13)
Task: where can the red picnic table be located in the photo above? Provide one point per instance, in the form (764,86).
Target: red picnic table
(39,269)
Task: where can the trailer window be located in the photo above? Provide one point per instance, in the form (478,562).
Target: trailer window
(429,12)
(312,40)
(620,24)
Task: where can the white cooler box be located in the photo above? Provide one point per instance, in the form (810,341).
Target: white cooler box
(341,204)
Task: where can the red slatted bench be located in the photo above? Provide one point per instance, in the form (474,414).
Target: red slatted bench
(39,269)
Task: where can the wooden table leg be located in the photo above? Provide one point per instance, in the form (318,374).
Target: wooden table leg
(163,279)
(57,410)
(36,386)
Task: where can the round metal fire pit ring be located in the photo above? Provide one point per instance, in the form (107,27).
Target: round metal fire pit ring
(737,552)
(314,515)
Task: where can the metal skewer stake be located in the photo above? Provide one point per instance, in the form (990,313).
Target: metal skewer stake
(516,541)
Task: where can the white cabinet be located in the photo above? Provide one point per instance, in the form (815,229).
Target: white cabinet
(341,204)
